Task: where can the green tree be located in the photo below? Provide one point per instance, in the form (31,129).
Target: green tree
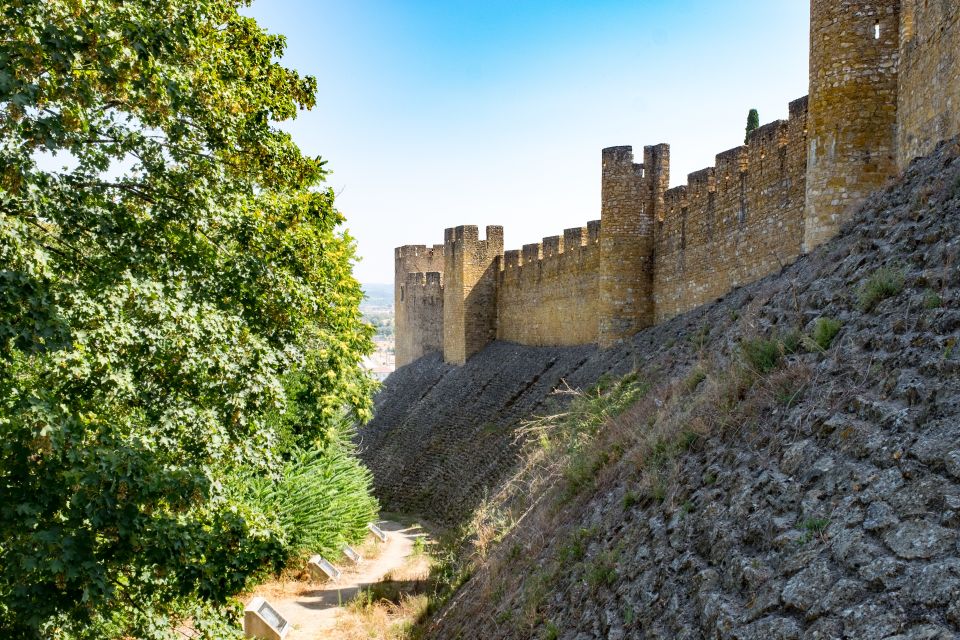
(170,268)
(753,123)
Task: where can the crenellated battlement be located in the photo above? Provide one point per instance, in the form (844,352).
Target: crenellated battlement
(547,290)
(429,280)
(884,77)
(733,222)
(471,269)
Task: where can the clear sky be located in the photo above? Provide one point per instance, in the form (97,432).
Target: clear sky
(437,114)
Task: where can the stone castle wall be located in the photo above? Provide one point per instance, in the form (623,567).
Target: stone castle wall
(735,222)
(471,273)
(884,88)
(414,327)
(854,53)
(548,292)
(929,89)
(423,303)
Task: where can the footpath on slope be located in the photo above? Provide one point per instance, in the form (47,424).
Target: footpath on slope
(313,609)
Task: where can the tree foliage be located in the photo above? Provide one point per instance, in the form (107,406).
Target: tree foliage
(753,123)
(173,283)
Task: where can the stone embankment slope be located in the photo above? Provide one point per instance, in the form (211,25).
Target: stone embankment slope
(443,437)
(824,504)
(825,509)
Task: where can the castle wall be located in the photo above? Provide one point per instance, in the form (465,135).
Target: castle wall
(471,273)
(414,329)
(630,194)
(549,292)
(423,306)
(735,222)
(853,108)
(929,90)
(884,88)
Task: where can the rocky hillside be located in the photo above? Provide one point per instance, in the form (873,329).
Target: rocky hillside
(757,494)
(765,487)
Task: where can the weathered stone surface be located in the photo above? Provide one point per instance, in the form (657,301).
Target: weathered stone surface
(806,588)
(951,460)
(920,539)
(880,515)
(772,628)
(929,83)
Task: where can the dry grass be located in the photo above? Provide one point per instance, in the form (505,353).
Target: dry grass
(389,609)
(367,619)
(626,426)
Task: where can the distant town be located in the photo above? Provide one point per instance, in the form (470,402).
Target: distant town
(377,309)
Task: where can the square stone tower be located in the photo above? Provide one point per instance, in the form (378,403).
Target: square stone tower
(854,59)
(471,271)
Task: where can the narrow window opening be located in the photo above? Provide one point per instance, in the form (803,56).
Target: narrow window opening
(876,30)
(401,294)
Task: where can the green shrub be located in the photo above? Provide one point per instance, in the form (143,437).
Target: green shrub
(602,572)
(761,355)
(630,499)
(884,283)
(700,337)
(931,300)
(693,380)
(570,432)
(813,527)
(658,490)
(576,548)
(824,331)
(791,342)
(321,500)
(551,632)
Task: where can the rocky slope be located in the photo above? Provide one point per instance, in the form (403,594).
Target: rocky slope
(819,499)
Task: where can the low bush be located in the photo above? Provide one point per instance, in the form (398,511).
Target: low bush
(321,499)
(761,355)
(884,283)
(694,379)
(932,300)
(791,342)
(602,571)
(824,331)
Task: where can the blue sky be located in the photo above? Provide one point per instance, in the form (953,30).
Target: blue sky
(436,114)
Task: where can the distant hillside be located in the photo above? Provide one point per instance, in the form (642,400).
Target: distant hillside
(766,487)
(379,296)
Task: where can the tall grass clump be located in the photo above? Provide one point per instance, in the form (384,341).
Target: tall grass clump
(761,355)
(883,283)
(824,331)
(322,499)
(567,435)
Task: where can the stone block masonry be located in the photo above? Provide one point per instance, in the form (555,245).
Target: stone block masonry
(884,89)
(471,271)
(735,222)
(928,107)
(417,327)
(854,54)
(548,292)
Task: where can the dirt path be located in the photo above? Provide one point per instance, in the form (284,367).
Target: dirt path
(312,609)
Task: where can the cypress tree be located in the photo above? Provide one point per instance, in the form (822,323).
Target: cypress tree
(753,123)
